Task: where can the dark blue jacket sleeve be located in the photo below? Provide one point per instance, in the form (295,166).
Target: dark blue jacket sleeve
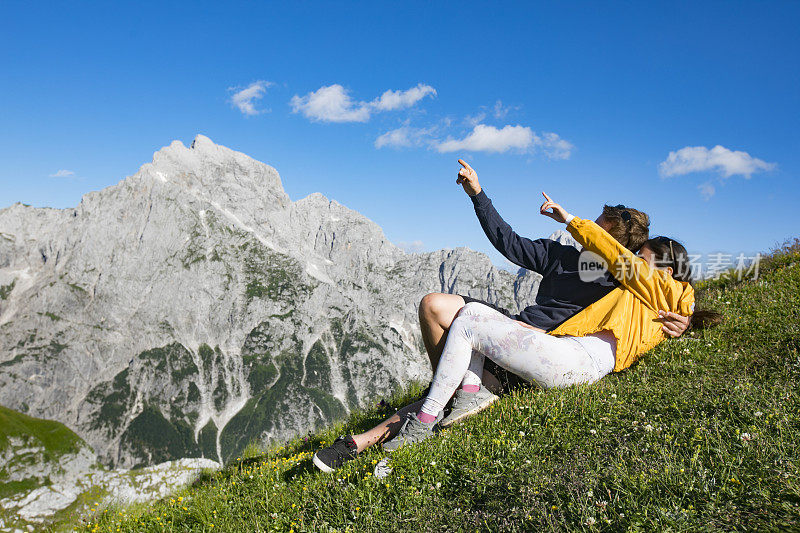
(521,251)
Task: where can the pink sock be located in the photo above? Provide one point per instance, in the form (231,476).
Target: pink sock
(425,417)
(471,388)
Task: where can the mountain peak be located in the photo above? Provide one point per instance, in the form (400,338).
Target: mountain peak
(215,169)
(202,150)
(201,141)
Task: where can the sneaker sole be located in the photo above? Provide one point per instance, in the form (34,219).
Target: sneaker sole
(322,466)
(478,409)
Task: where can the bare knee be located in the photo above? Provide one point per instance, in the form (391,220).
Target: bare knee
(440,308)
(427,305)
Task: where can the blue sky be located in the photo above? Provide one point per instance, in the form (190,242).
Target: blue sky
(583,100)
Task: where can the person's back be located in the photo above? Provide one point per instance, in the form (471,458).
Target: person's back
(561,292)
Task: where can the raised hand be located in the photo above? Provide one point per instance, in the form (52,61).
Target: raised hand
(468,179)
(559,214)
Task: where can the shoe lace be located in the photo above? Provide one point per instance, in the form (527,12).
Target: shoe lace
(341,446)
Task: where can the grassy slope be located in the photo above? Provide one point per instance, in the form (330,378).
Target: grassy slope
(703,433)
(55,437)
(52,438)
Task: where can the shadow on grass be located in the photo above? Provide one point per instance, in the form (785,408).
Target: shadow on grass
(304,467)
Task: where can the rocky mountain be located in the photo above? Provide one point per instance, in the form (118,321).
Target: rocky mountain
(193,308)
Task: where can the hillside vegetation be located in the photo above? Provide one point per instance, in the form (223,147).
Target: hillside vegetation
(703,433)
(27,442)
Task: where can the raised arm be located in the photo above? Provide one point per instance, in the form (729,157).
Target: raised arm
(527,253)
(655,288)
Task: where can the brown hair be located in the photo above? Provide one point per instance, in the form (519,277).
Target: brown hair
(629,226)
(670,253)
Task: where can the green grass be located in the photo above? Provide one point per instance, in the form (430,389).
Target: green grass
(5,290)
(49,439)
(56,438)
(702,434)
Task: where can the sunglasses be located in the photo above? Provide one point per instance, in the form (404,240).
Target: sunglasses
(671,249)
(626,215)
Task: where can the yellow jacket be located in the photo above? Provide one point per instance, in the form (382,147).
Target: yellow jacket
(630,312)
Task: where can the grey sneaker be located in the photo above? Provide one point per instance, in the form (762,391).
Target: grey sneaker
(413,430)
(467,404)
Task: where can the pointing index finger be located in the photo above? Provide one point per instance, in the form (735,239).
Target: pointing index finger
(464,164)
(545,195)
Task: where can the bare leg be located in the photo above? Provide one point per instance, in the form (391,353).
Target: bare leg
(387,429)
(436,313)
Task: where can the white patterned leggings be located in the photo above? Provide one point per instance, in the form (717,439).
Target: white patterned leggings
(479,331)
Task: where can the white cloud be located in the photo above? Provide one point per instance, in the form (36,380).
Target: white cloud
(244,98)
(414,247)
(474,120)
(554,146)
(490,139)
(333,103)
(330,104)
(707,189)
(404,137)
(62,174)
(397,138)
(699,159)
(391,100)
(500,111)
(485,138)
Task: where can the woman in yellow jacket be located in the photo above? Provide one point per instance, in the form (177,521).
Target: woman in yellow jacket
(658,278)
(609,335)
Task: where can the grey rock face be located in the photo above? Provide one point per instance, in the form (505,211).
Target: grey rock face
(192,308)
(73,476)
(565,238)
